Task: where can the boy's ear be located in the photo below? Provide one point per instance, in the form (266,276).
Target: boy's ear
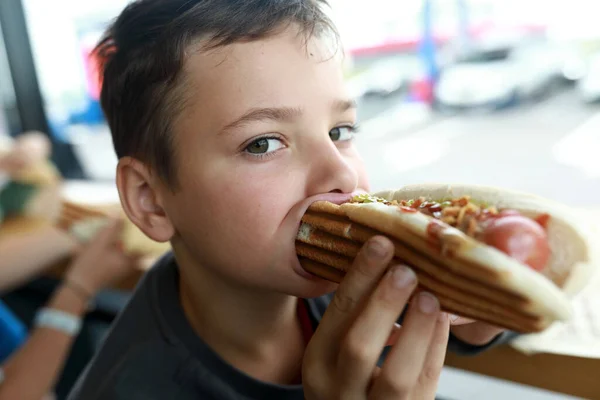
(140,199)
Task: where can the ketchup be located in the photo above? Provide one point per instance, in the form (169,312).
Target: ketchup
(407,209)
(543,220)
(431,207)
(435,229)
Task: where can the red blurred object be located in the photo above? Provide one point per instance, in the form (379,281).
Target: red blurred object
(422,90)
(91,73)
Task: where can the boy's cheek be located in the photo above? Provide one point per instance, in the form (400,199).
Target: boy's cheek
(246,217)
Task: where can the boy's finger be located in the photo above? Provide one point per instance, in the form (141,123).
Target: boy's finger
(403,365)
(369,333)
(432,369)
(367,269)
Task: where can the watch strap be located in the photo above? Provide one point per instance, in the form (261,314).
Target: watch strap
(58,320)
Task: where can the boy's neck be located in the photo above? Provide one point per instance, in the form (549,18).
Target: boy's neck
(257,333)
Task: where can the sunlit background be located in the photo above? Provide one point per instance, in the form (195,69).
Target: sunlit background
(499,92)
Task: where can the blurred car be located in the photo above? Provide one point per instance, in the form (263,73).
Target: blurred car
(497,77)
(386,77)
(589,85)
(574,68)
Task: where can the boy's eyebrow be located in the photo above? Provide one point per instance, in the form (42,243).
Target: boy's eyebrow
(281,114)
(261,114)
(344,105)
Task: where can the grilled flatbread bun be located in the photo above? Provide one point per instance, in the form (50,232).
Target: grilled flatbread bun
(469,277)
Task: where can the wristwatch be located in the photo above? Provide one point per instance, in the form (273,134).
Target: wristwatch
(58,320)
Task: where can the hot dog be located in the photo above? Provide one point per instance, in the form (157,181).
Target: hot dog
(508,258)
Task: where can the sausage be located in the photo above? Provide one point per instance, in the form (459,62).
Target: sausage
(520,238)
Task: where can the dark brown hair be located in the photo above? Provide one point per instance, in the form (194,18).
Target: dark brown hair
(142,55)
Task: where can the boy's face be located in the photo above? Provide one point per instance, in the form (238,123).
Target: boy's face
(267,132)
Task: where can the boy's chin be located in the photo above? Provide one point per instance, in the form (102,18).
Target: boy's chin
(307,285)
(308,288)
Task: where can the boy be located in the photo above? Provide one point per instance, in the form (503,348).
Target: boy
(229,119)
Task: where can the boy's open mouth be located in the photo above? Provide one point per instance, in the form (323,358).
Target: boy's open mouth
(335,198)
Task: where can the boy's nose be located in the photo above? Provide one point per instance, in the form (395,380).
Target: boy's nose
(331,172)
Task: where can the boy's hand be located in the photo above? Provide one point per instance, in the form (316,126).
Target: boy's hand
(102,262)
(476,333)
(340,360)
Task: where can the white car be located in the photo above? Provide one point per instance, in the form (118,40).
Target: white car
(386,77)
(498,77)
(589,85)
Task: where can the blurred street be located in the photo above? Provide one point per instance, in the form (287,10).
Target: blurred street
(549,148)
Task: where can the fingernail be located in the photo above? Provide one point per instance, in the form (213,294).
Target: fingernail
(428,304)
(376,248)
(403,276)
(453,318)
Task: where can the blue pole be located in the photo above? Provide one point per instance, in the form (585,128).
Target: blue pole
(427,44)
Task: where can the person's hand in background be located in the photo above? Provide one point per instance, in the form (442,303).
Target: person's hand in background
(96,266)
(102,262)
(28,149)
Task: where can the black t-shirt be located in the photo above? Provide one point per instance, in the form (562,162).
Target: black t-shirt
(153,353)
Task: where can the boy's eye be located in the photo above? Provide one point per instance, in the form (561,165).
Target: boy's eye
(341,133)
(264,146)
